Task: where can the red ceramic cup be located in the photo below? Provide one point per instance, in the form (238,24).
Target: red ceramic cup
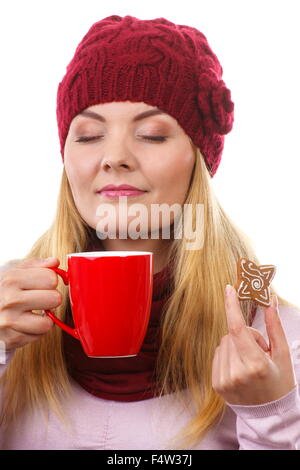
(110,297)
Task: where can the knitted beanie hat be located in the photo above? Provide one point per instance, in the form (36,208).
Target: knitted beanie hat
(157,62)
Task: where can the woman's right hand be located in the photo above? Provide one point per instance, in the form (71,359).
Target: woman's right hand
(26,287)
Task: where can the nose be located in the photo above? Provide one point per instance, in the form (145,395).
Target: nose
(117,154)
(115,164)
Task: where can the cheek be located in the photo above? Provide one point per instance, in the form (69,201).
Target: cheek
(74,164)
(78,172)
(175,172)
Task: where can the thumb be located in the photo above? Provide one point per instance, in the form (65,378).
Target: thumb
(275,330)
(259,338)
(36,262)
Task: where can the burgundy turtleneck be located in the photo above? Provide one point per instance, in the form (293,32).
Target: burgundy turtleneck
(121,379)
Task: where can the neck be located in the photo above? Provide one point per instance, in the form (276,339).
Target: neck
(159,247)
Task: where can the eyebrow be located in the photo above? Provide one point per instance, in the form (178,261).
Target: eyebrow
(138,117)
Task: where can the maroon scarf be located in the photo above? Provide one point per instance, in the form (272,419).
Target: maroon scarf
(121,379)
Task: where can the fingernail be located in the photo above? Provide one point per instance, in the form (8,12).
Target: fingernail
(228,290)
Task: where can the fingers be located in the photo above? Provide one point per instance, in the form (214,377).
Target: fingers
(13,340)
(278,341)
(26,287)
(230,362)
(235,319)
(236,364)
(28,323)
(228,368)
(215,374)
(259,339)
(32,324)
(28,300)
(36,262)
(38,279)
(225,361)
(237,328)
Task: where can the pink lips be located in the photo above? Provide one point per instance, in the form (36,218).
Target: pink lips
(122,190)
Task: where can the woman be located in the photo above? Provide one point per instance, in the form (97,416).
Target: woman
(142,103)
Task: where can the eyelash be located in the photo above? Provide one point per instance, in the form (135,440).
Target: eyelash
(156,138)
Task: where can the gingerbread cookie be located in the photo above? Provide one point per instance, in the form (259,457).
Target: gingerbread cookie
(253,281)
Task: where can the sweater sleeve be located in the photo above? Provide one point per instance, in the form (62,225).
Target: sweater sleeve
(5,355)
(274,425)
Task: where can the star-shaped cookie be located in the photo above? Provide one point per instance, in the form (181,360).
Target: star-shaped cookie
(253,281)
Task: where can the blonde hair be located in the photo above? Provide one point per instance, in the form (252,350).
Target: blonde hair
(193,319)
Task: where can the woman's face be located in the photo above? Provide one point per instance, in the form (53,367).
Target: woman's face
(151,153)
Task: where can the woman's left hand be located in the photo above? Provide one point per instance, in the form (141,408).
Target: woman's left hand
(245,371)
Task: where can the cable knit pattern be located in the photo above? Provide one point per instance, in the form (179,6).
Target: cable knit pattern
(165,65)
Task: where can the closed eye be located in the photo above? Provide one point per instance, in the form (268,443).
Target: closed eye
(157,138)
(153,138)
(87,139)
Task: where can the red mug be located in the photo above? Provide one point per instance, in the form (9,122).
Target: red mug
(110,297)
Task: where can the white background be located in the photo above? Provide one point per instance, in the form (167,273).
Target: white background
(257,43)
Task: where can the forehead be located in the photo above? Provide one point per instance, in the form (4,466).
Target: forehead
(123,110)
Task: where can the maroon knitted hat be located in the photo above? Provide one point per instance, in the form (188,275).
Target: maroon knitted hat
(157,62)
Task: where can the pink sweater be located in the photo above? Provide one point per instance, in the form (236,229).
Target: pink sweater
(149,424)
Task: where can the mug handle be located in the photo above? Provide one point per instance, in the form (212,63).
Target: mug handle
(72,331)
